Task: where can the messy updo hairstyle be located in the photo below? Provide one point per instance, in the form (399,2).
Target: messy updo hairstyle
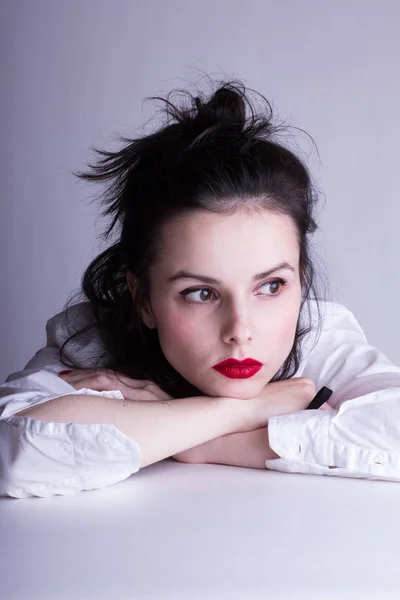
(216,154)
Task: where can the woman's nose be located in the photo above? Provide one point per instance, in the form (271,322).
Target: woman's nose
(237,328)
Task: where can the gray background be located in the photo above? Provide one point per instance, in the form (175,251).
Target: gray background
(74,73)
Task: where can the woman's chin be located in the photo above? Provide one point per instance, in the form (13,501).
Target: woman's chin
(243,389)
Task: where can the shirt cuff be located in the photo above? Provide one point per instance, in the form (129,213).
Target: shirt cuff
(304,444)
(41,458)
(302,436)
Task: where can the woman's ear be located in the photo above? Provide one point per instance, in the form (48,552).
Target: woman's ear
(131,281)
(146,314)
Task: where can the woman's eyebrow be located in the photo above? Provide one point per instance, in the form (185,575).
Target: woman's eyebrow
(182,274)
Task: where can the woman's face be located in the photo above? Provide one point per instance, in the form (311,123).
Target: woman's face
(201,323)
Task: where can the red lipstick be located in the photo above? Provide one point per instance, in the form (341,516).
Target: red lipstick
(238,369)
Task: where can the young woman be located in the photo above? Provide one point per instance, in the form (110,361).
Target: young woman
(212,265)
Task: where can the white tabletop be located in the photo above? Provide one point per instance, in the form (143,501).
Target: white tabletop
(205,532)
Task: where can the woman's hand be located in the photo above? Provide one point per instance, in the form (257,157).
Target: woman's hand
(102,380)
(282,398)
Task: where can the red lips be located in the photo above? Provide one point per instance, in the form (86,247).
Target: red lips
(237,363)
(238,369)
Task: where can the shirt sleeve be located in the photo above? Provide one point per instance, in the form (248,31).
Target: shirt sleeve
(39,458)
(360,437)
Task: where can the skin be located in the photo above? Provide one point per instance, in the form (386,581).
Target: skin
(237,318)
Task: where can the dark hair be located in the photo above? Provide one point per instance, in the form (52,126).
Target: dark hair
(209,155)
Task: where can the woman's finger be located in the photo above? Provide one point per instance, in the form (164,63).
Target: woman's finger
(80,378)
(107,380)
(325,406)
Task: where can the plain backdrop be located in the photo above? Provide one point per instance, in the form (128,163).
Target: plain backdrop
(75,73)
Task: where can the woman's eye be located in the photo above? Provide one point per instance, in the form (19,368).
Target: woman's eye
(277,284)
(204,295)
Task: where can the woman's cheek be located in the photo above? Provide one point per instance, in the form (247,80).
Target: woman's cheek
(289,327)
(283,329)
(177,333)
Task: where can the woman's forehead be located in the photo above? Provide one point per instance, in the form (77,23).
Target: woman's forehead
(218,243)
(201,229)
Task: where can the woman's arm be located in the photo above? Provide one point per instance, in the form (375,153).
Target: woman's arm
(88,440)
(247,449)
(54,441)
(160,428)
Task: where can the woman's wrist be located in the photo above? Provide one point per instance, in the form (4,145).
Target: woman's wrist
(247,449)
(246,444)
(246,415)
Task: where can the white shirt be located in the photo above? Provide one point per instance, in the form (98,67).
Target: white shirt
(359,438)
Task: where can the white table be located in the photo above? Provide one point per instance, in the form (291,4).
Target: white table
(205,532)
